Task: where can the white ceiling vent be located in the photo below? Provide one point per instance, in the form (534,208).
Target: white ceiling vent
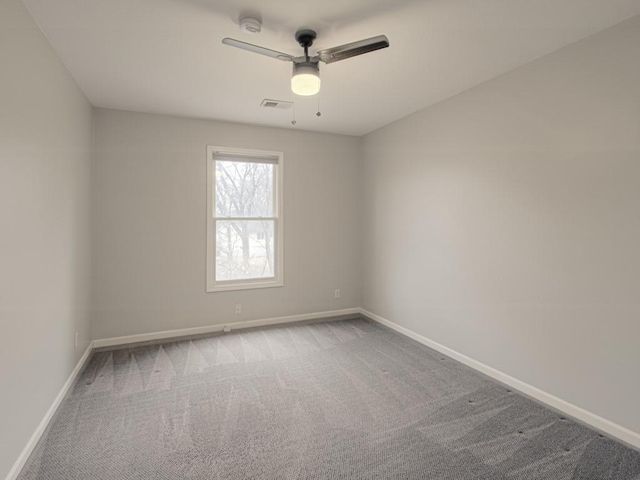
(276,104)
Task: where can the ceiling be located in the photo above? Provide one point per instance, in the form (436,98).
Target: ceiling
(166,56)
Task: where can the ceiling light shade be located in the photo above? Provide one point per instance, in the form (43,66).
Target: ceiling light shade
(306,79)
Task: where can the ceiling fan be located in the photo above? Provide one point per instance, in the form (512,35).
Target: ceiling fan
(306,70)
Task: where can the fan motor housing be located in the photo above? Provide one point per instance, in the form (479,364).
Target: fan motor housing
(312,67)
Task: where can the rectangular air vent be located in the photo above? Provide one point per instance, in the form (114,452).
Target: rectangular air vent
(266,103)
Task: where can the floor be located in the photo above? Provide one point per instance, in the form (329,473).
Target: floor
(339,400)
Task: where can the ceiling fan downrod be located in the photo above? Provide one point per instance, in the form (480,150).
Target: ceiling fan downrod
(305,38)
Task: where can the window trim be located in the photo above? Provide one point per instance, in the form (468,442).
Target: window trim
(229,285)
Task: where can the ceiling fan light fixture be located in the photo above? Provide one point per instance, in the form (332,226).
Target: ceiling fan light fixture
(306,79)
(306,72)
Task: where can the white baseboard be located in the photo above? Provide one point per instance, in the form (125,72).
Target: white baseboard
(107,342)
(606,426)
(146,337)
(602,424)
(33,441)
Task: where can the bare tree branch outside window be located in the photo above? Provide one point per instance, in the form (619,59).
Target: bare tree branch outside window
(245,220)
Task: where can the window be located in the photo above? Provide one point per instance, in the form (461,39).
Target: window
(244,219)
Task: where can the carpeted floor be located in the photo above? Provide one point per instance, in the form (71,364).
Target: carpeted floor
(343,400)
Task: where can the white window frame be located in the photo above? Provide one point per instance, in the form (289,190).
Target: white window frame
(278,279)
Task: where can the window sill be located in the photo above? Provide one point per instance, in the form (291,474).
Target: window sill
(248,285)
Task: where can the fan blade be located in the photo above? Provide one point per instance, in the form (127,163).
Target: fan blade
(256,49)
(330,55)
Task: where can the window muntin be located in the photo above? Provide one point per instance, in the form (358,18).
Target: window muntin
(244,244)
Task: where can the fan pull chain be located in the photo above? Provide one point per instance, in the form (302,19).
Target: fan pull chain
(318,112)
(293,122)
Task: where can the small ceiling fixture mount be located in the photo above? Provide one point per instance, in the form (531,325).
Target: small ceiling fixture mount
(250,25)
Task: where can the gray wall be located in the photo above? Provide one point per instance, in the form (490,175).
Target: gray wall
(149,200)
(45,158)
(504,223)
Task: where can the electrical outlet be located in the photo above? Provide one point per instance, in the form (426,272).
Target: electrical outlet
(75,341)
(336,293)
(238,309)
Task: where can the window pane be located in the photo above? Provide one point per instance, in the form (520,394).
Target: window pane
(244,189)
(244,249)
